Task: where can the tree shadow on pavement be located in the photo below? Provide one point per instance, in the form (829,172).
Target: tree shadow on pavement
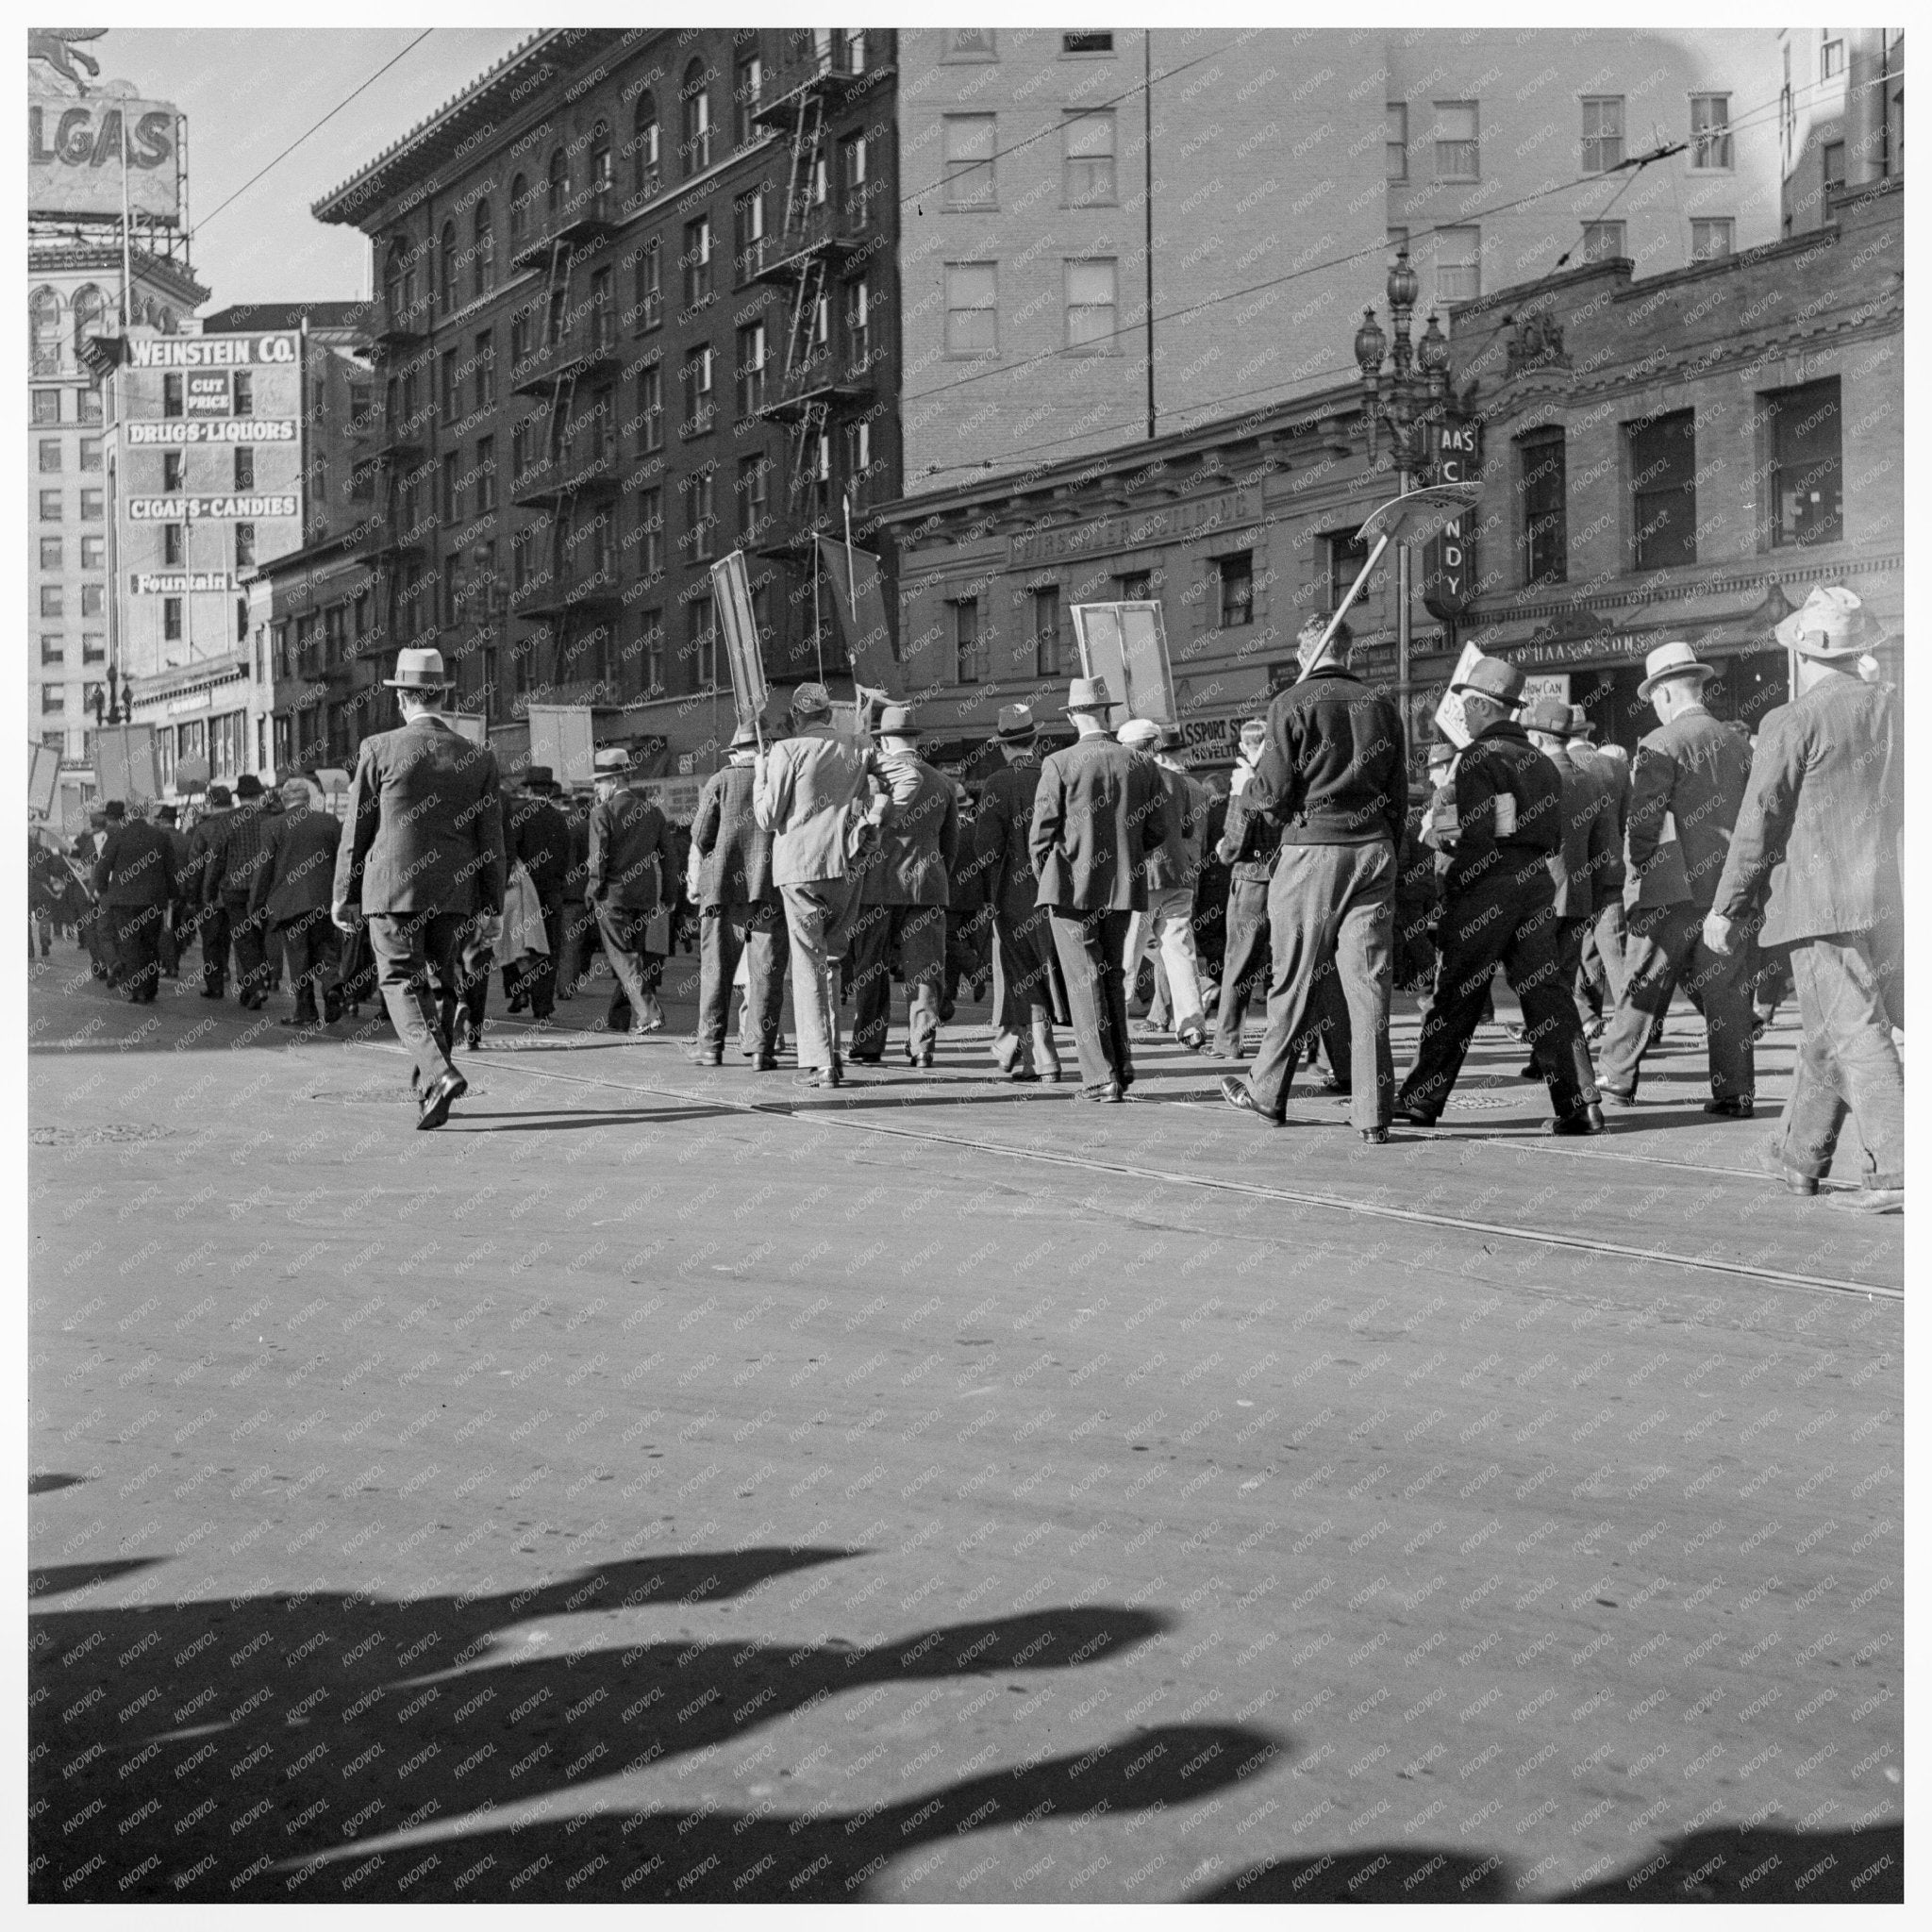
(206,1749)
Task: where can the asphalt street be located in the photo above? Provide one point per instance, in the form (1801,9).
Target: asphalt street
(664,1484)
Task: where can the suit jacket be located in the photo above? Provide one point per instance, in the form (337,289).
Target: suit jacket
(136,866)
(1588,868)
(1177,861)
(201,842)
(1508,809)
(1002,829)
(1693,770)
(809,791)
(538,835)
(627,834)
(237,845)
(1820,827)
(918,835)
(734,850)
(579,822)
(1099,810)
(300,871)
(425,829)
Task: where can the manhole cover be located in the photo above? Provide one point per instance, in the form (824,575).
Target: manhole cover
(383,1096)
(116,1133)
(1476,1102)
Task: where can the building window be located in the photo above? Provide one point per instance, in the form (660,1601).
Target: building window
(43,332)
(1087,177)
(523,560)
(1090,306)
(53,699)
(93,503)
(747,91)
(1086,44)
(452,389)
(704,642)
(969,44)
(646,175)
(558,189)
(244,546)
(973,321)
(93,553)
(650,408)
(1396,140)
(53,648)
(968,666)
(1805,479)
(1458,154)
(697,261)
(967,148)
(754,485)
(1710,131)
(449,493)
(1542,480)
(1046,631)
(49,455)
(650,642)
(519,209)
(853,179)
(50,553)
(601,176)
(90,452)
(751,370)
(93,600)
(1663,490)
(244,469)
(696,96)
(698,402)
(170,620)
(1602,133)
(170,471)
(94,648)
(1711,240)
(1831,58)
(1602,240)
(1237,574)
(446,269)
(173,393)
(1133,586)
(748,233)
(650,288)
(50,506)
(90,401)
(53,600)
(484,383)
(483,251)
(486,474)
(1834,153)
(46,408)
(649,532)
(522,444)
(1459,264)
(244,392)
(699,519)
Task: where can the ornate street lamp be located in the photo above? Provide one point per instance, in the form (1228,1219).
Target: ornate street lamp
(1406,401)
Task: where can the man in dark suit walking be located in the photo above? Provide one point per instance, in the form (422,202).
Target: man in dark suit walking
(174,926)
(422,864)
(204,914)
(234,859)
(135,879)
(902,896)
(631,865)
(1027,994)
(1100,811)
(292,894)
(539,836)
(741,915)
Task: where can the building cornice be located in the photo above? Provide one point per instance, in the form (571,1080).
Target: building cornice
(50,257)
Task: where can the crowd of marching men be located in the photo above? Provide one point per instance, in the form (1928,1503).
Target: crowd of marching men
(1743,872)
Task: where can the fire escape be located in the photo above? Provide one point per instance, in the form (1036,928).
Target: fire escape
(575,479)
(391,462)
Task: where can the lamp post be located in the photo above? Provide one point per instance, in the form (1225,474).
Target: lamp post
(1406,401)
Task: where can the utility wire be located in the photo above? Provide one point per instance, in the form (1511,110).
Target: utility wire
(306,132)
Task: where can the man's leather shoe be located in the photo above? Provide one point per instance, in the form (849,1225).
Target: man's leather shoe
(1374,1136)
(1614,1102)
(443,1089)
(706,1056)
(1586,1120)
(1532,1071)
(1412,1116)
(1193,1039)
(1735,1108)
(1771,1161)
(1236,1093)
(1107,1093)
(1869,1201)
(765,1063)
(1023,1077)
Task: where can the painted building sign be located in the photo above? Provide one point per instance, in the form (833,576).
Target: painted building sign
(73,156)
(177,432)
(1227,510)
(1449,560)
(174,510)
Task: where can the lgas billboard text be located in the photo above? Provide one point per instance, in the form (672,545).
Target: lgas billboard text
(73,157)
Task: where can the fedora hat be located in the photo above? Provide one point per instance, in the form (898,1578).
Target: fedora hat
(1581,724)
(1672,661)
(1551,716)
(418,670)
(1016,724)
(1088,695)
(1831,623)
(745,737)
(220,794)
(1140,733)
(1492,677)
(539,778)
(896,721)
(247,786)
(613,762)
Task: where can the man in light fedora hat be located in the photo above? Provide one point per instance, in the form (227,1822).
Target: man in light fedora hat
(632,864)
(1686,787)
(1816,846)
(902,897)
(1027,994)
(1099,811)
(1164,932)
(1498,907)
(421,861)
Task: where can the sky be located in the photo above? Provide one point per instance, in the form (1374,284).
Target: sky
(247,93)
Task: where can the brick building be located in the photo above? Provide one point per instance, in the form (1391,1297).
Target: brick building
(638,294)
(1841,115)
(1680,456)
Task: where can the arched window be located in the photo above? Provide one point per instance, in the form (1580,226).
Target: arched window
(600,171)
(644,144)
(392,296)
(90,305)
(696,98)
(446,269)
(519,209)
(559,184)
(483,242)
(44,330)
(166,317)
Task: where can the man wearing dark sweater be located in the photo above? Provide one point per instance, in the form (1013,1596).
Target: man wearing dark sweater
(1334,775)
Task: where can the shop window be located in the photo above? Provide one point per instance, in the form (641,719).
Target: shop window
(1805,479)
(1663,490)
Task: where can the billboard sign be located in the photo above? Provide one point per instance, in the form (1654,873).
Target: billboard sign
(44,778)
(731,592)
(1126,644)
(1448,584)
(73,156)
(125,764)
(213,352)
(178,583)
(178,431)
(174,510)
(209,392)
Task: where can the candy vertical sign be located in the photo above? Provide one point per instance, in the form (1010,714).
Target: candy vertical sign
(1448,583)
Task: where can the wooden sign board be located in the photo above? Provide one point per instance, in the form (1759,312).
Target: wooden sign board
(1126,644)
(731,594)
(43,780)
(125,764)
(560,737)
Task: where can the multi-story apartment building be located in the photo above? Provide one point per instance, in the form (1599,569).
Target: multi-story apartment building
(74,293)
(1676,456)
(638,307)
(1842,116)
